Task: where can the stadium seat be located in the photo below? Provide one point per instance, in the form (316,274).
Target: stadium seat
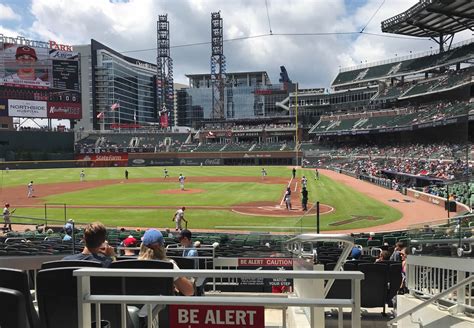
(394,280)
(18,280)
(374,286)
(13,308)
(57,297)
(147,286)
(69,264)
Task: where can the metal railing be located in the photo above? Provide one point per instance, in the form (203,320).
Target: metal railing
(85,298)
(296,245)
(460,286)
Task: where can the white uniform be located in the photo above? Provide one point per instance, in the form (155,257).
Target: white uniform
(181,181)
(304,182)
(82,175)
(30,189)
(178,218)
(6,218)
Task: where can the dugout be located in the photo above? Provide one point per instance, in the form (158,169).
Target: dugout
(411,179)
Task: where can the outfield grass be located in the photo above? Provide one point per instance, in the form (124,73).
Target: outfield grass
(347,201)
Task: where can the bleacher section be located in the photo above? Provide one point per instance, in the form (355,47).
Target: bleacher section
(393,118)
(404,67)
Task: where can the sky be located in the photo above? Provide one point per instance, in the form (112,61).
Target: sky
(129,26)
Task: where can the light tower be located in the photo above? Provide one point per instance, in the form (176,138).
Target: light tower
(164,73)
(217,65)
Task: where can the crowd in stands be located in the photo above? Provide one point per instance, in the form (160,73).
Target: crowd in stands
(442,161)
(392,118)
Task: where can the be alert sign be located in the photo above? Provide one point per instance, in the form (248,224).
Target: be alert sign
(216,316)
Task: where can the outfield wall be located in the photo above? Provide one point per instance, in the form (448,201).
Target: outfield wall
(213,158)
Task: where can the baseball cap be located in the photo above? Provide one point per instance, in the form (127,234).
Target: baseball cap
(355,254)
(185,233)
(25,50)
(152,236)
(7,205)
(129,241)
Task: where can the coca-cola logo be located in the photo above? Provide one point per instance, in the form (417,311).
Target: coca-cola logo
(215,161)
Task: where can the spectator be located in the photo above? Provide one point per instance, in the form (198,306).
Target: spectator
(356,253)
(68,226)
(185,240)
(97,249)
(152,248)
(130,241)
(383,256)
(396,252)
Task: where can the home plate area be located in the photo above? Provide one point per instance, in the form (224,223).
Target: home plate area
(276,210)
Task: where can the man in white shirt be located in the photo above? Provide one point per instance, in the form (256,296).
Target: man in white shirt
(30,189)
(181,179)
(178,218)
(26,59)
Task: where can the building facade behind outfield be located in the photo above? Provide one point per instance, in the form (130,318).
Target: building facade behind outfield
(108,77)
(247,95)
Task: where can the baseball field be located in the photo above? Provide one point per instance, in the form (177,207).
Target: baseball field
(222,197)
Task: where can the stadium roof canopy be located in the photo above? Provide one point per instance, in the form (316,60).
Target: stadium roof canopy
(432,18)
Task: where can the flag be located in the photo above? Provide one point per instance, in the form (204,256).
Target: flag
(100,115)
(115,106)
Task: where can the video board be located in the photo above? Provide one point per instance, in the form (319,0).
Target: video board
(39,79)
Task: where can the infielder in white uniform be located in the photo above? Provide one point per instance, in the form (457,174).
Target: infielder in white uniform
(82,175)
(30,189)
(181,179)
(178,218)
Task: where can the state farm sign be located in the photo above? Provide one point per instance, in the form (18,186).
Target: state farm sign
(216,316)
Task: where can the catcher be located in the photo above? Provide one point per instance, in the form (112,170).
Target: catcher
(7,226)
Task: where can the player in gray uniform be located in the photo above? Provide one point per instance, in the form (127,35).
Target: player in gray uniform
(165,171)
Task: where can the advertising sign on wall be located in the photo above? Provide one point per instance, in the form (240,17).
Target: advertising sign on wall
(27,108)
(64,110)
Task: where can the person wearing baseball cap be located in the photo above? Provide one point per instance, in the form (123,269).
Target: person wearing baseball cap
(153,248)
(26,60)
(129,242)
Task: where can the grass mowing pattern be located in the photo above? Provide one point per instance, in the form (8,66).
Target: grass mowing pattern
(346,201)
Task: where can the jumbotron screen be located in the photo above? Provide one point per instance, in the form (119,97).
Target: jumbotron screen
(39,82)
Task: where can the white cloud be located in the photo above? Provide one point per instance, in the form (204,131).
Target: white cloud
(311,60)
(7,13)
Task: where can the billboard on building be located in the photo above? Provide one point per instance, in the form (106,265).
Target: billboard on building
(39,79)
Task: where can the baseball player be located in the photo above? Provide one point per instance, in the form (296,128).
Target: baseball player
(316,174)
(181,179)
(179,217)
(165,171)
(304,182)
(264,173)
(7,226)
(30,189)
(82,175)
(288,198)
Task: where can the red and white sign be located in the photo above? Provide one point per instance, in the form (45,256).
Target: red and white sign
(216,316)
(103,157)
(263,262)
(64,110)
(164,120)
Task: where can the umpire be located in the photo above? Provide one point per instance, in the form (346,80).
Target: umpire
(304,199)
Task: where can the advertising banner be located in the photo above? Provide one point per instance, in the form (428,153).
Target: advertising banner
(27,108)
(64,110)
(216,316)
(103,159)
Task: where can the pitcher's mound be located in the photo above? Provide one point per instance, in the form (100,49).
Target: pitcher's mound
(179,191)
